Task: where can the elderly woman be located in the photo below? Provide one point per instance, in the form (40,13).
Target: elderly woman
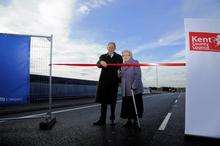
(131,79)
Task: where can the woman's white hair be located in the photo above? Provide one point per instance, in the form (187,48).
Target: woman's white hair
(127,51)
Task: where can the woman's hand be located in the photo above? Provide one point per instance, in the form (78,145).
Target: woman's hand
(103,63)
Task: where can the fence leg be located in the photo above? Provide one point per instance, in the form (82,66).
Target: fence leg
(49,120)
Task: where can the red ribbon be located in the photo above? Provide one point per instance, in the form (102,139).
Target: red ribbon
(122,64)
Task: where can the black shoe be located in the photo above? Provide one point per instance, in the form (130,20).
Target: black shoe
(128,124)
(112,123)
(99,123)
(135,124)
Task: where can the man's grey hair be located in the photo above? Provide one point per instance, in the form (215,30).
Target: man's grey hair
(112,43)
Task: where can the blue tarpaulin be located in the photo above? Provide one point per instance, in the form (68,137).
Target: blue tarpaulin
(14,69)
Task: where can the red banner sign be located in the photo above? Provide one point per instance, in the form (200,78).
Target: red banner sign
(204,41)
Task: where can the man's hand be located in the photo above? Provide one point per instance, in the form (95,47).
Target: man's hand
(103,63)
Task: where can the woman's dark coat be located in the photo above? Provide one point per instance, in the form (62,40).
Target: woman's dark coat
(109,81)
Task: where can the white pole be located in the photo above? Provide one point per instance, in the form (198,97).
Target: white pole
(157,77)
(135,108)
(50,77)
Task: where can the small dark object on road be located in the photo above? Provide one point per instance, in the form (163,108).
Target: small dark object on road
(48,124)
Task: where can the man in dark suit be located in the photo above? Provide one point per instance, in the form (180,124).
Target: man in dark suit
(107,88)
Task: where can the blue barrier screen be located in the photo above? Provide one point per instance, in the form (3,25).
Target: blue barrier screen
(14,69)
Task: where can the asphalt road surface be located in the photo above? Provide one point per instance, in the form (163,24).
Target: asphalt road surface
(162,124)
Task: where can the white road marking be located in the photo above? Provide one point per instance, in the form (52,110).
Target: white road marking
(83,107)
(36,116)
(165,121)
(41,115)
(77,108)
(178,96)
(176,101)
